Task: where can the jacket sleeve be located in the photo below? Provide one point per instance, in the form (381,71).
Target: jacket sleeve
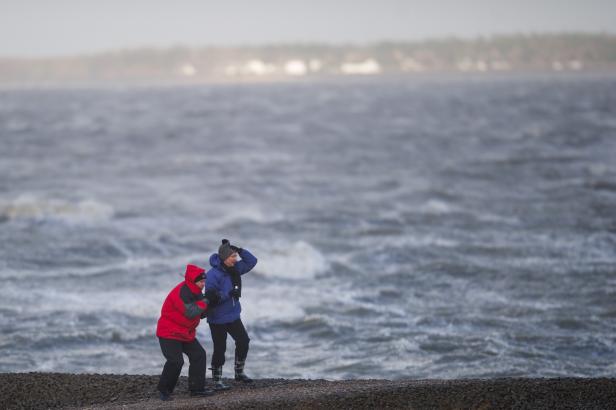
(193,306)
(247,263)
(212,281)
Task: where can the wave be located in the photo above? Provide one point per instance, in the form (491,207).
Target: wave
(299,260)
(437,207)
(33,207)
(316,326)
(74,307)
(91,336)
(130,264)
(234,215)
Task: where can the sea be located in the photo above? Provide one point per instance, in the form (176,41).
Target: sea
(408,227)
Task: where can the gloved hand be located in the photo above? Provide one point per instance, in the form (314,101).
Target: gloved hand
(233,247)
(212,297)
(236,292)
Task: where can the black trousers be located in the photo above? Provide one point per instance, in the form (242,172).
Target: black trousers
(219,336)
(172,350)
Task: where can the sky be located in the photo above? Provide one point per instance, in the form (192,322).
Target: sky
(41,28)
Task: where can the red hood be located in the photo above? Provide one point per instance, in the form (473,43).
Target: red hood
(192,271)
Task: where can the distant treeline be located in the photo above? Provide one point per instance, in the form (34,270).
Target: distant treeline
(535,52)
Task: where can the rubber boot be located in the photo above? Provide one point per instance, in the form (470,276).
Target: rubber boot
(165,396)
(201,393)
(240,376)
(217,379)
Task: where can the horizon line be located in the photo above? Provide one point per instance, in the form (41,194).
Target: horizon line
(461,38)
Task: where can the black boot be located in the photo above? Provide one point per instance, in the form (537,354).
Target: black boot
(240,376)
(201,393)
(217,379)
(165,396)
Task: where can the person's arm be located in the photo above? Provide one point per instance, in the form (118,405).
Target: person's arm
(193,306)
(212,281)
(247,263)
(211,299)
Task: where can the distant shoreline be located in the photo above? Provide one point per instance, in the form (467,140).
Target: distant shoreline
(553,53)
(52,390)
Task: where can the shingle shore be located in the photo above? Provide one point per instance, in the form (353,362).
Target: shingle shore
(61,390)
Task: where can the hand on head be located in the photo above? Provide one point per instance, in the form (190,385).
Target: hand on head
(228,253)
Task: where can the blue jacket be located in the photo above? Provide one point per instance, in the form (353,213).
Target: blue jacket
(229,309)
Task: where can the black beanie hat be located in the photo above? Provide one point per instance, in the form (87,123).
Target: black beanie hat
(201,276)
(225,250)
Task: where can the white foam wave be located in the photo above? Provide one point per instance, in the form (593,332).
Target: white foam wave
(220,217)
(130,264)
(297,261)
(436,207)
(416,240)
(95,300)
(32,207)
(237,214)
(279,302)
(278,305)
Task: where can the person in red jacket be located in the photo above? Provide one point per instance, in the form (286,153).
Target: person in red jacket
(180,315)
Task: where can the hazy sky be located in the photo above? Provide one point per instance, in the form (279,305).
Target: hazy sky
(60,27)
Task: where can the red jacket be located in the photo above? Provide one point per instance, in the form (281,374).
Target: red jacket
(183,308)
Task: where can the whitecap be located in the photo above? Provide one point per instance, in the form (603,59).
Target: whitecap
(277,306)
(33,207)
(299,260)
(436,207)
(173,264)
(242,214)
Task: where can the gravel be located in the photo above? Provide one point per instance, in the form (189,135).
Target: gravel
(109,391)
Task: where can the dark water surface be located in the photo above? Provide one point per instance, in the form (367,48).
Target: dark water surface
(433,228)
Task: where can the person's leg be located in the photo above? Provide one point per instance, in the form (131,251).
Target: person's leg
(219,339)
(196,368)
(197,363)
(172,350)
(238,333)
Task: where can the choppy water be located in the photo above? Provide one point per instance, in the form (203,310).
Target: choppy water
(442,228)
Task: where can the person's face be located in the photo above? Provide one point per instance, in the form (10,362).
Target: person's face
(231,260)
(200,284)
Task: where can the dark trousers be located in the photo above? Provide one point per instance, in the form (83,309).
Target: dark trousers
(219,337)
(172,350)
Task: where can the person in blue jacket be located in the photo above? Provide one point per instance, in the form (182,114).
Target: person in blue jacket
(226,277)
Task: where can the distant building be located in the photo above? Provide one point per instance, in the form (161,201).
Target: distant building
(575,65)
(188,70)
(468,64)
(315,65)
(251,68)
(295,68)
(369,66)
(258,68)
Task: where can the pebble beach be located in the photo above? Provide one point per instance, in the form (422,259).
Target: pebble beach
(96,391)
